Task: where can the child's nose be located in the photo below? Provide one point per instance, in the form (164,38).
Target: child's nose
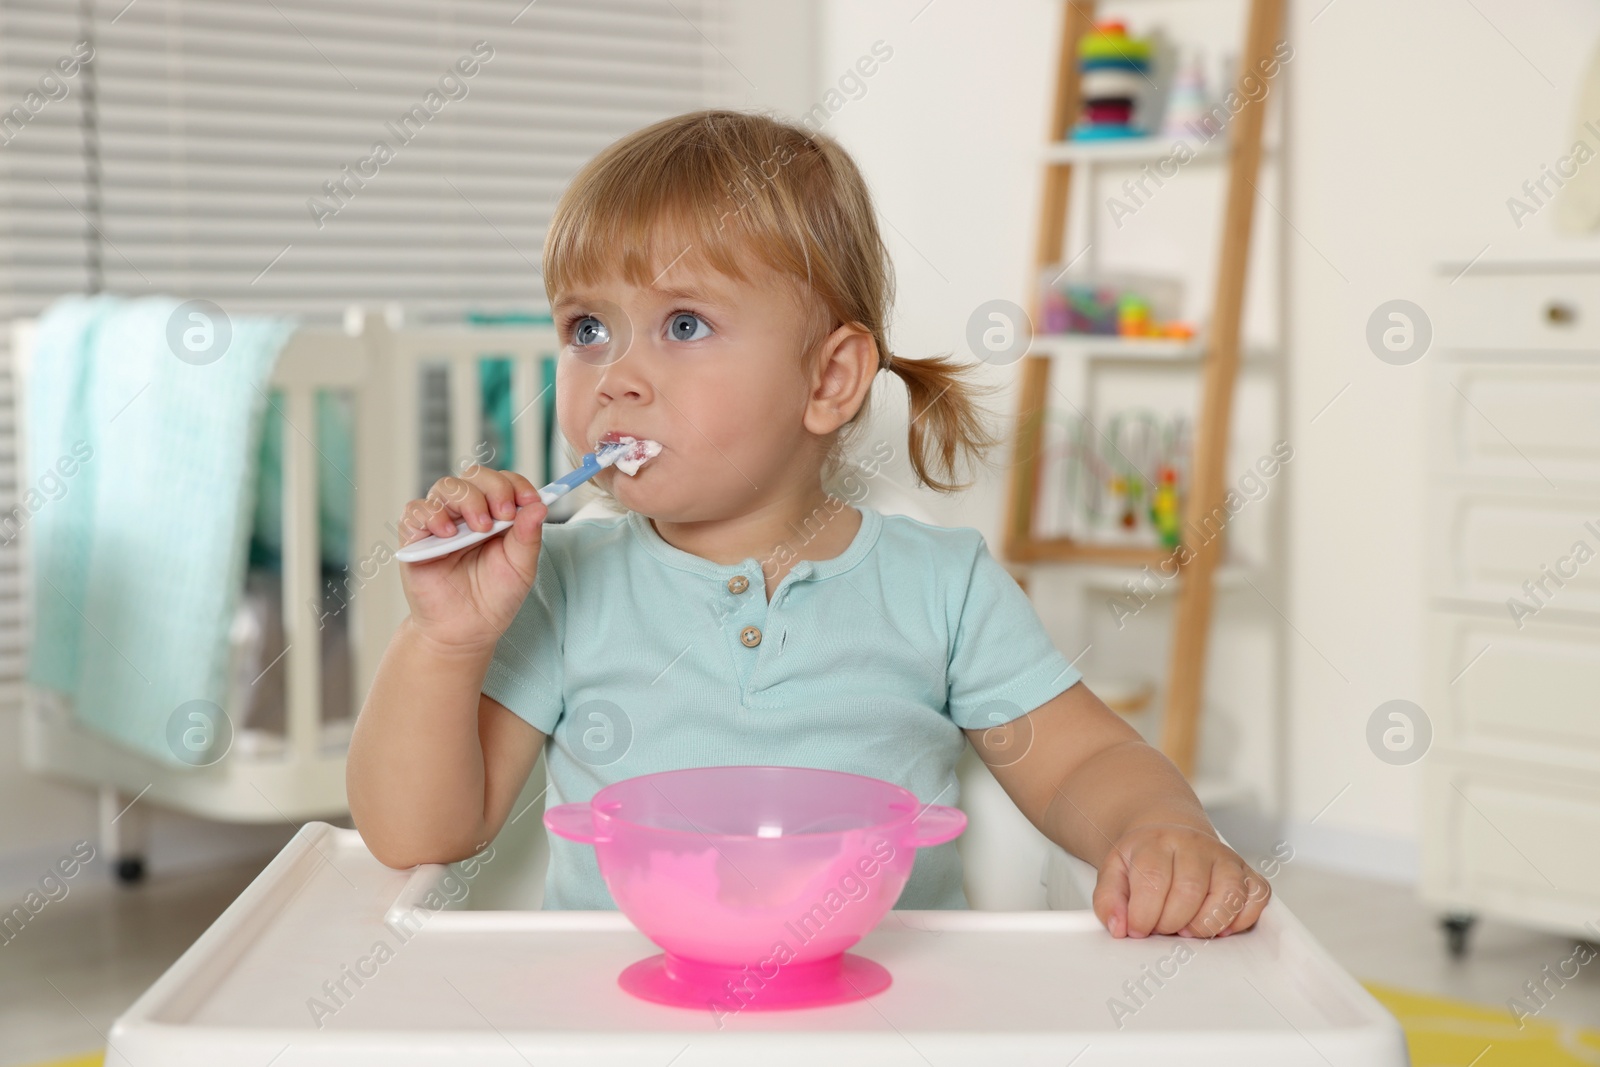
(624,379)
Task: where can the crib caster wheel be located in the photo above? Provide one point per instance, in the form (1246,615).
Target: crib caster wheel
(1456,926)
(130,870)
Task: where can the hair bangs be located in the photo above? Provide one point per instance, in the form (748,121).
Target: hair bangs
(673,196)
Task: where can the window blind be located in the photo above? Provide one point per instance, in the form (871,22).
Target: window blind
(303,155)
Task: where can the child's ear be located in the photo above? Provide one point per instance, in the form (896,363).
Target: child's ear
(842,374)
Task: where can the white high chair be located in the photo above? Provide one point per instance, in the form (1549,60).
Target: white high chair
(475,979)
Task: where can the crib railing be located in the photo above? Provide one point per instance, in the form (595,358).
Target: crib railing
(379,362)
(383,368)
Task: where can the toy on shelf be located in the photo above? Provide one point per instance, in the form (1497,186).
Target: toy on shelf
(1123,486)
(1189,104)
(1136,440)
(1133,315)
(1164,507)
(1114,77)
(1120,305)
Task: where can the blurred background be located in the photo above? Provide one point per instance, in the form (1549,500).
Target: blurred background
(1382,676)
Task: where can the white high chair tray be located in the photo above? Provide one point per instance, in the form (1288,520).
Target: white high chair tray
(535,987)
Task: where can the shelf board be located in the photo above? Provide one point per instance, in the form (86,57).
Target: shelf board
(1125,696)
(1221,793)
(1111,346)
(1109,577)
(1147,149)
(1108,566)
(1066,550)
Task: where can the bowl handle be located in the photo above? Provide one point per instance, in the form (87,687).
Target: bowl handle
(936,824)
(575,822)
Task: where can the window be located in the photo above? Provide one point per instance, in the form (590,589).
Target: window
(303,155)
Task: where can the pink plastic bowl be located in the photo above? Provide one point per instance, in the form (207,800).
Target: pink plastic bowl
(754,880)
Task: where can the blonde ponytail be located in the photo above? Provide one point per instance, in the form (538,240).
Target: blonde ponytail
(947,429)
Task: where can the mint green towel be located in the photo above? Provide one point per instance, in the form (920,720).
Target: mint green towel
(139,564)
(55,495)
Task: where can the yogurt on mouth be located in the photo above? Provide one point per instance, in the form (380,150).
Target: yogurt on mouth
(641,452)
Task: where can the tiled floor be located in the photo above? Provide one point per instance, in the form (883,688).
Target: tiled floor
(1380,932)
(85,958)
(82,960)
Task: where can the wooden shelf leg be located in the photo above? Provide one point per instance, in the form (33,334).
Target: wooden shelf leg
(1192,622)
(1023,486)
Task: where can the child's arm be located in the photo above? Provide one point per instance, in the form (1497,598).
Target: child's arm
(434,764)
(1088,781)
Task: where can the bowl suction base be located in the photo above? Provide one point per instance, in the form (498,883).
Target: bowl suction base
(668,979)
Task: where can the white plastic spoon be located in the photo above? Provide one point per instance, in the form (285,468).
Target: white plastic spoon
(628,454)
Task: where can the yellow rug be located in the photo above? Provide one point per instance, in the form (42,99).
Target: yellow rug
(1454,1033)
(1441,1033)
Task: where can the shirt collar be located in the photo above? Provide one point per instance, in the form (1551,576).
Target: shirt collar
(657,546)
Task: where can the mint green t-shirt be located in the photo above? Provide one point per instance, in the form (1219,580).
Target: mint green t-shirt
(635,656)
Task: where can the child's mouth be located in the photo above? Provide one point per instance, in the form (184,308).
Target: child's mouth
(642,451)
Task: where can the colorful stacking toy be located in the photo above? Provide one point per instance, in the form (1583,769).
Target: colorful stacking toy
(1114,75)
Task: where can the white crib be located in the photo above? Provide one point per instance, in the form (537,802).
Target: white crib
(299,774)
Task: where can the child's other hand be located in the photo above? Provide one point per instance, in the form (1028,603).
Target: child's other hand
(467,599)
(1169,878)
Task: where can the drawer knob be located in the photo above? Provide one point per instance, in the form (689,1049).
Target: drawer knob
(1559,314)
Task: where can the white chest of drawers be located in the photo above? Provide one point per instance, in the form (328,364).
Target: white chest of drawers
(1511,785)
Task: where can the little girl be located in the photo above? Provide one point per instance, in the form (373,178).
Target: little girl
(721,287)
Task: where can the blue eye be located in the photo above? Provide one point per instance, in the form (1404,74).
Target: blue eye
(681,327)
(589,330)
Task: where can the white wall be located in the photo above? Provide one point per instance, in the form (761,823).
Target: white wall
(1406,144)
(1408,127)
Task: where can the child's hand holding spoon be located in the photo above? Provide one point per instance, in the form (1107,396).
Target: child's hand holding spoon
(466,599)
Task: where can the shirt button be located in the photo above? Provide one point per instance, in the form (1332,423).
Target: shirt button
(738,583)
(750,636)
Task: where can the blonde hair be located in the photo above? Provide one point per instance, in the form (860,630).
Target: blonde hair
(709,186)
